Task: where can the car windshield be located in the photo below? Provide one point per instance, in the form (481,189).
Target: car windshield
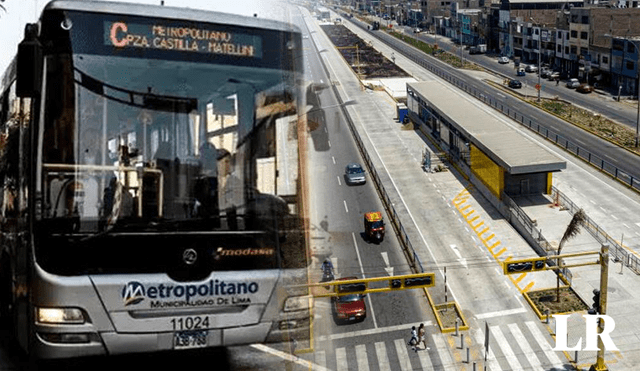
(349,298)
(377,224)
(354,170)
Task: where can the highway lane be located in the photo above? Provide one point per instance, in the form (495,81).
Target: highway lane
(338,209)
(603,105)
(624,160)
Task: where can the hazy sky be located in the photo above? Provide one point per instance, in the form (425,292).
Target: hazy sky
(20,12)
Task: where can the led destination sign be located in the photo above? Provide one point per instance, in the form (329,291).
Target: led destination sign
(186,39)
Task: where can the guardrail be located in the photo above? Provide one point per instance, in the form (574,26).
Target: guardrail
(531,123)
(616,250)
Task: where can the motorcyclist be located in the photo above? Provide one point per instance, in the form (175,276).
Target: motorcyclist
(327,266)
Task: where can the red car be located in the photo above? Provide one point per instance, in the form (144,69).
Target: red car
(350,307)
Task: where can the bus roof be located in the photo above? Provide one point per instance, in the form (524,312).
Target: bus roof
(167,12)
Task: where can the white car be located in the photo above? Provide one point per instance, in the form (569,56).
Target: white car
(573,83)
(531,68)
(503,60)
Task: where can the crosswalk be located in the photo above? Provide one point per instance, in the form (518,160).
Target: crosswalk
(514,346)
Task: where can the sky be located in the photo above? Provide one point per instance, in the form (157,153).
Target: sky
(18,13)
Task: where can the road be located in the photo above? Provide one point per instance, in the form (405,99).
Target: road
(620,158)
(379,342)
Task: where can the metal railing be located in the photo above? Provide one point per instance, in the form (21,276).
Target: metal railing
(618,252)
(498,103)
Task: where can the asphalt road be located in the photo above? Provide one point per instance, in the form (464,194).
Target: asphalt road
(602,149)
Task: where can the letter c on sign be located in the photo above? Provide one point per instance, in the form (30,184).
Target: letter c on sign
(118,26)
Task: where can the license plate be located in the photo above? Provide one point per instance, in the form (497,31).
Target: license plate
(190,339)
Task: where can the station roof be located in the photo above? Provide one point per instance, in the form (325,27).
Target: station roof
(487,130)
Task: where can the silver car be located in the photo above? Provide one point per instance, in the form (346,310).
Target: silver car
(573,83)
(354,174)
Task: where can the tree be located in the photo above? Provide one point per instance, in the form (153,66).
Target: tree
(572,230)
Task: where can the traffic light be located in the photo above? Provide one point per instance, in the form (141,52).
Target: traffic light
(351,287)
(412,282)
(596,302)
(524,265)
(418,281)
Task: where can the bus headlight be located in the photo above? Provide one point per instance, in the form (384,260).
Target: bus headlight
(295,303)
(59,315)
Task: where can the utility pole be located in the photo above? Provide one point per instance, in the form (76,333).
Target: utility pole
(604,277)
(538,87)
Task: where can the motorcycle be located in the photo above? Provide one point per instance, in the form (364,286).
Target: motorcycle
(327,275)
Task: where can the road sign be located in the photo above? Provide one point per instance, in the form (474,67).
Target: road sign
(537,86)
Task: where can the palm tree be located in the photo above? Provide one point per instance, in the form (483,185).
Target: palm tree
(572,230)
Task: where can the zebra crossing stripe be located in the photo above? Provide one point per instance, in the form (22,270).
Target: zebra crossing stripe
(383,359)
(524,345)
(505,348)
(403,355)
(425,361)
(361,357)
(321,358)
(443,352)
(542,342)
(341,359)
(491,358)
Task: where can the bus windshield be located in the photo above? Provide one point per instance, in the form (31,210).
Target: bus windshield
(138,144)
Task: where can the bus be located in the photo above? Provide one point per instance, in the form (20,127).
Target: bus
(152,167)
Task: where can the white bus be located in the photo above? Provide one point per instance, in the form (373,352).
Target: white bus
(152,181)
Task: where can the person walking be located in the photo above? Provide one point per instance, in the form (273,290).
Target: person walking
(421,336)
(414,338)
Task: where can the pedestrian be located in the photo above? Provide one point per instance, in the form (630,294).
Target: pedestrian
(557,81)
(414,338)
(421,336)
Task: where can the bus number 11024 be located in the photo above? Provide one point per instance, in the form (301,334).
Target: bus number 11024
(190,323)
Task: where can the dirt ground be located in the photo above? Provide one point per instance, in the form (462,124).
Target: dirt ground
(364,59)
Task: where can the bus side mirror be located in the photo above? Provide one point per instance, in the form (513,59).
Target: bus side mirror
(29,63)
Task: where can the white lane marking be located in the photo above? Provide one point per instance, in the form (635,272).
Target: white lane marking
(521,340)
(289,357)
(345,206)
(443,353)
(355,246)
(341,359)
(362,358)
(387,268)
(459,255)
(383,359)
(505,348)
(500,313)
(542,342)
(372,331)
(403,356)
(491,358)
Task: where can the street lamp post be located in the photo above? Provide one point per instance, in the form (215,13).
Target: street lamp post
(538,87)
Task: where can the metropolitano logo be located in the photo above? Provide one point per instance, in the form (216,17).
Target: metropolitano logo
(591,333)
